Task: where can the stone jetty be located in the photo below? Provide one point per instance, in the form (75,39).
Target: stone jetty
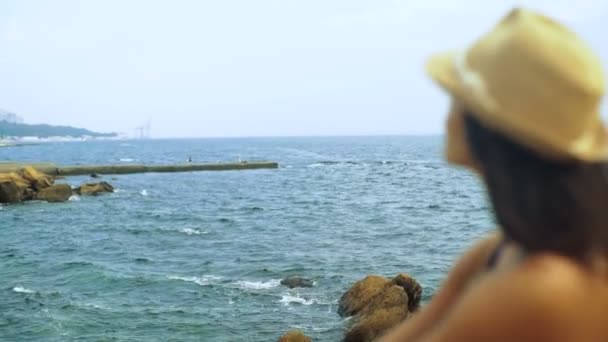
(79,170)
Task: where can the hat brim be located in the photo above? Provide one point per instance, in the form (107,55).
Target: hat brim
(591,147)
(440,68)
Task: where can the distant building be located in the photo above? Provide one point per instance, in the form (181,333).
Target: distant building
(10,117)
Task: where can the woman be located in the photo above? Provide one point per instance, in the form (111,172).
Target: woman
(525,117)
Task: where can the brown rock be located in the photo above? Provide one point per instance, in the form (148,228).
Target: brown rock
(378,305)
(385,311)
(55,193)
(412,288)
(16,178)
(361,294)
(9,192)
(294,336)
(13,188)
(94,188)
(37,179)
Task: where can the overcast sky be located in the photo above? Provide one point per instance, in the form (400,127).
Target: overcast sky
(244,67)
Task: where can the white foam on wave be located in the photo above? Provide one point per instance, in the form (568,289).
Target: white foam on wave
(315,165)
(21,289)
(95,306)
(119,190)
(287,299)
(74,198)
(144,192)
(126,160)
(258,285)
(191,231)
(202,280)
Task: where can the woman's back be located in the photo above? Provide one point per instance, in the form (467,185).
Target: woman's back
(557,299)
(564,300)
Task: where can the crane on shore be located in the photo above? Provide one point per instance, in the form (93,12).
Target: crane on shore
(143,131)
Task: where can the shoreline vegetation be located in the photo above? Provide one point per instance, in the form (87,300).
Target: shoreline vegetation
(12,126)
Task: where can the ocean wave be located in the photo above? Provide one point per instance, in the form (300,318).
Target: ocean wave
(74,198)
(288,299)
(21,289)
(144,192)
(191,231)
(204,280)
(258,285)
(93,306)
(353,162)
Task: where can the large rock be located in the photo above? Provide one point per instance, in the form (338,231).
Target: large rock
(55,193)
(13,188)
(294,336)
(37,179)
(412,288)
(94,188)
(361,294)
(385,311)
(378,304)
(296,281)
(9,192)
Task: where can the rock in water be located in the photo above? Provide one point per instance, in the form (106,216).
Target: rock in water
(37,179)
(378,304)
(361,294)
(385,311)
(94,188)
(9,192)
(294,336)
(296,281)
(13,188)
(55,193)
(412,288)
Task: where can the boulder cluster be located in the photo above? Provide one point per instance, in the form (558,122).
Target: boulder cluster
(376,304)
(30,184)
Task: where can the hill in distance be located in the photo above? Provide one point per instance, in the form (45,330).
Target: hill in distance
(11,125)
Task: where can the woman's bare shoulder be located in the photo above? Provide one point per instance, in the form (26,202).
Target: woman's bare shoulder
(535,302)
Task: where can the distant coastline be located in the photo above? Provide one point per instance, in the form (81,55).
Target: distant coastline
(13,131)
(12,141)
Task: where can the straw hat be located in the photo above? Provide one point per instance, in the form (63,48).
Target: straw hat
(533,80)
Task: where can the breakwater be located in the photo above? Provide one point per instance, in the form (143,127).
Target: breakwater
(76,170)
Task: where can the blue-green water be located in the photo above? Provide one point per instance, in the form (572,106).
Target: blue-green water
(199,256)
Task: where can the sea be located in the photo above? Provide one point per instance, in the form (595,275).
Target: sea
(199,256)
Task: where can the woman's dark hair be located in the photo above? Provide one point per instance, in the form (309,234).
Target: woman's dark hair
(541,204)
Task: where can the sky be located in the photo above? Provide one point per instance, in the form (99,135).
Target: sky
(208,68)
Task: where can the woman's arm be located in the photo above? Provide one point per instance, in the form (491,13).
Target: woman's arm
(469,265)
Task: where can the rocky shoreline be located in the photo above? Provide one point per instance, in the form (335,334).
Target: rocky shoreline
(29,184)
(376,304)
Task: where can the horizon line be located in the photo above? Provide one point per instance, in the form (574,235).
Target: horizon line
(293,136)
